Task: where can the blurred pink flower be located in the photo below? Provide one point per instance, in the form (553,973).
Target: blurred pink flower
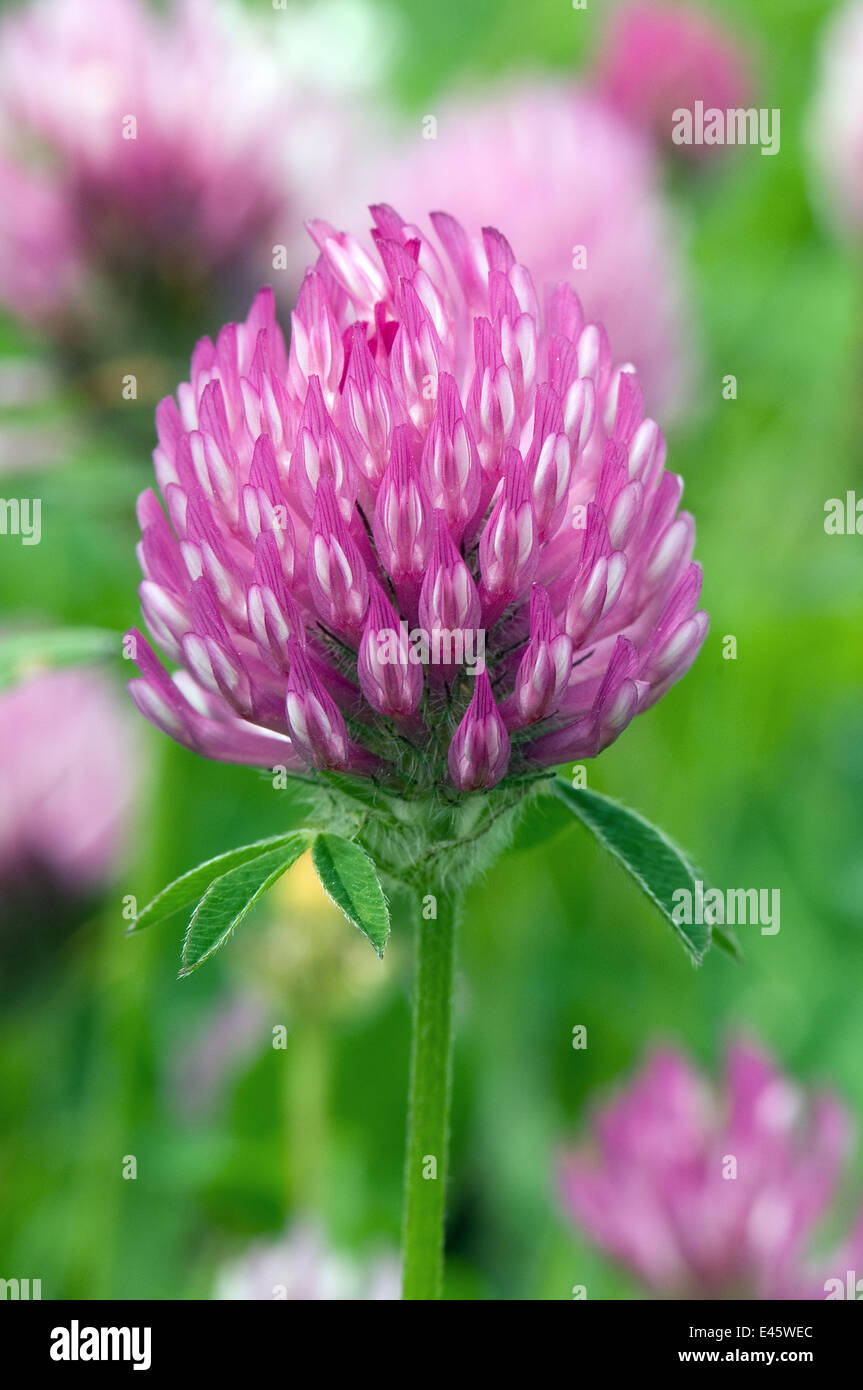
(662,57)
(180,145)
(217,1049)
(836,121)
(437,445)
(71,770)
(714,1193)
(303,1266)
(578,192)
(39,255)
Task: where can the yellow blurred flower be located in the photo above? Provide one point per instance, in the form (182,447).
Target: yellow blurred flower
(309,956)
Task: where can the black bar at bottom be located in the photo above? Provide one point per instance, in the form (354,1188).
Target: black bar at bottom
(66,1338)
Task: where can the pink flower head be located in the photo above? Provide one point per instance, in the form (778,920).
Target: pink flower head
(713,1193)
(662,57)
(546,663)
(836,121)
(578,191)
(71,767)
(176,146)
(480,749)
(390,679)
(447,444)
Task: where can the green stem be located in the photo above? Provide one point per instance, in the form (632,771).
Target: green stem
(429,1104)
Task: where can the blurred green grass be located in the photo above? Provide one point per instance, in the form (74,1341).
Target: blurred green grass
(756,765)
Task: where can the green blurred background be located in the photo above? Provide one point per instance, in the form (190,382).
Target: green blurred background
(755,764)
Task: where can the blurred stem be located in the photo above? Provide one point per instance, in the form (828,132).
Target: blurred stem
(120,1085)
(429,1104)
(308,1088)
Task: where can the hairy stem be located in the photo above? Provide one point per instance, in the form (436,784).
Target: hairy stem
(429,1101)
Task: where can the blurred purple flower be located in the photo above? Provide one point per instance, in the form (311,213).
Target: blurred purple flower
(435,446)
(659,58)
(578,191)
(176,147)
(714,1193)
(71,769)
(303,1266)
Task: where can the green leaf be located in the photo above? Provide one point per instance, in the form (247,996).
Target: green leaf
(725,939)
(228,900)
(657,865)
(22,654)
(190,886)
(350,878)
